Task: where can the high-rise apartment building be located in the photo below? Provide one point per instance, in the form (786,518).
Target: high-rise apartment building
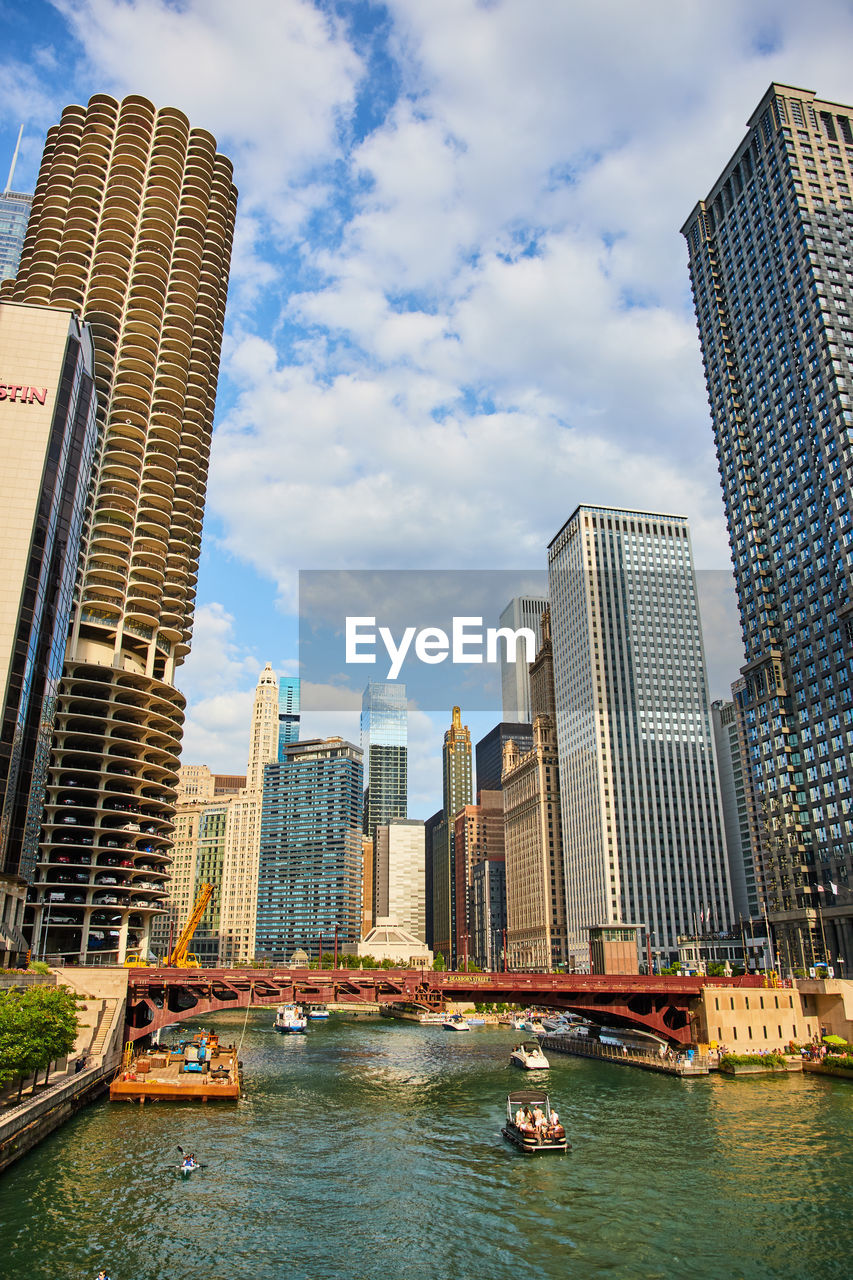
(771,263)
(311,861)
(399,891)
(522,611)
(240,867)
(643,837)
(488,914)
(131,227)
(48,436)
(288,713)
(384,742)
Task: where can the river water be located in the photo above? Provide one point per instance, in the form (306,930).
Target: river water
(371,1150)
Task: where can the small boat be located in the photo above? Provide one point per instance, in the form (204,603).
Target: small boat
(187,1167)
(289,1018)
(533,1027)
(518,1024)
(529,1056)
(317,1012)
(455,1022)
(531,1125)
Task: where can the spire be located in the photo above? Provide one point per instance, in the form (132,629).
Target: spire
(14,160)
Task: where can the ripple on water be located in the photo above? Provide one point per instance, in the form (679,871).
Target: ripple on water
(370,1151)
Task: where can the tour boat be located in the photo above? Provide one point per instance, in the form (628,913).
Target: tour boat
(531,1125)
(455,1022)
(289,1018)
(317,1012)
(529,1056)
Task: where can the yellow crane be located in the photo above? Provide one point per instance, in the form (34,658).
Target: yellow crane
(181,957)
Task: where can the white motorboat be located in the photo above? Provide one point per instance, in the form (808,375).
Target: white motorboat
(317,1013)
(289,1018)
(455,1022)
(530,1057)
(533,1027)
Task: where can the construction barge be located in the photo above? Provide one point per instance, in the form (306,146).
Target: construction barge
(198,1070)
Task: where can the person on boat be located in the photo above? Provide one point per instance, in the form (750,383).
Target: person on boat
(556,1133)
(102,1274)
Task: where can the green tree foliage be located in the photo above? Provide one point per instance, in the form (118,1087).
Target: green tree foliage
(37,1026)
(438,963)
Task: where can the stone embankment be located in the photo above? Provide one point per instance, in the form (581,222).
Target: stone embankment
(80,1078)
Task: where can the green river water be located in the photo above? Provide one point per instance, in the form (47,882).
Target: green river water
(371,1150)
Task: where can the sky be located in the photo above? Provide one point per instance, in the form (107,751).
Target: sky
(459,301)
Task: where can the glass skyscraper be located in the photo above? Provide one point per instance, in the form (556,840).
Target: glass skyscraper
(384,741)
(288,713)
(310,877)
(771,263)
(643,839)
(15,209)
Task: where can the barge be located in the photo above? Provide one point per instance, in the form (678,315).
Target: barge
(199,1070)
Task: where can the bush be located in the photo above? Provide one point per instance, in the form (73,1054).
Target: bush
(752,1060)
(839,1060)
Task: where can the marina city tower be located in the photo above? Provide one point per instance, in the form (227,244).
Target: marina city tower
(131,227)
(771,263)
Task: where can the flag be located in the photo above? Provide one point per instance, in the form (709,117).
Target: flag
(833,887)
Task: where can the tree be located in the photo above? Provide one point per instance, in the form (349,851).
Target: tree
(37,1026)
(438,963)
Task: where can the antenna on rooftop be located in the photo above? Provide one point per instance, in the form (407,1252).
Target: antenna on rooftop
(14,160)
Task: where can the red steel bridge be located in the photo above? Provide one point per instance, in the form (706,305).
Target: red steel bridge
(663,1005)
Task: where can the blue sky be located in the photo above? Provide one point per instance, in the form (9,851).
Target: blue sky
(459,301)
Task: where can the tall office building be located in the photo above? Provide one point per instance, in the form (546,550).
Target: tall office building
(771,261)
(15,209)
(488,914)
(489,752)
(734,795)
(535,881)
(431,826)
(288,713)
(48,436)
(131,227)
(399,890)
(456,793)
(642,831)
(384,742)
(311,861)
(478,833)
(264,739)
(522,611)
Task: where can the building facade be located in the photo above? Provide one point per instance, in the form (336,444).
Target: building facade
(488,914)
(288,713)
(15,209)
(734,797)
(131,227)
(48,436)
(522,611)
(489,752)
(384,743)
(770,262)
(643,839)
(457,790)
(311,862)
(478,834)
(399,879)
(535,884)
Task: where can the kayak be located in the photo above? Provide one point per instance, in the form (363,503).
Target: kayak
(187,1169)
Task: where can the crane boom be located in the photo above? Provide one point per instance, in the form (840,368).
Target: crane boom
(180,957)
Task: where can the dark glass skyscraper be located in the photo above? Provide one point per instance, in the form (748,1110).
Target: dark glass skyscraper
(310,871)
(771,263)
(384,741)
(48,434)
(489,752)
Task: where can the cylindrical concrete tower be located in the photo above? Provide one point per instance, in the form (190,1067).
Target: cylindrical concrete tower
(132,222)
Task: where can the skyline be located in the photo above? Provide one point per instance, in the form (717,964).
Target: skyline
(453,259)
